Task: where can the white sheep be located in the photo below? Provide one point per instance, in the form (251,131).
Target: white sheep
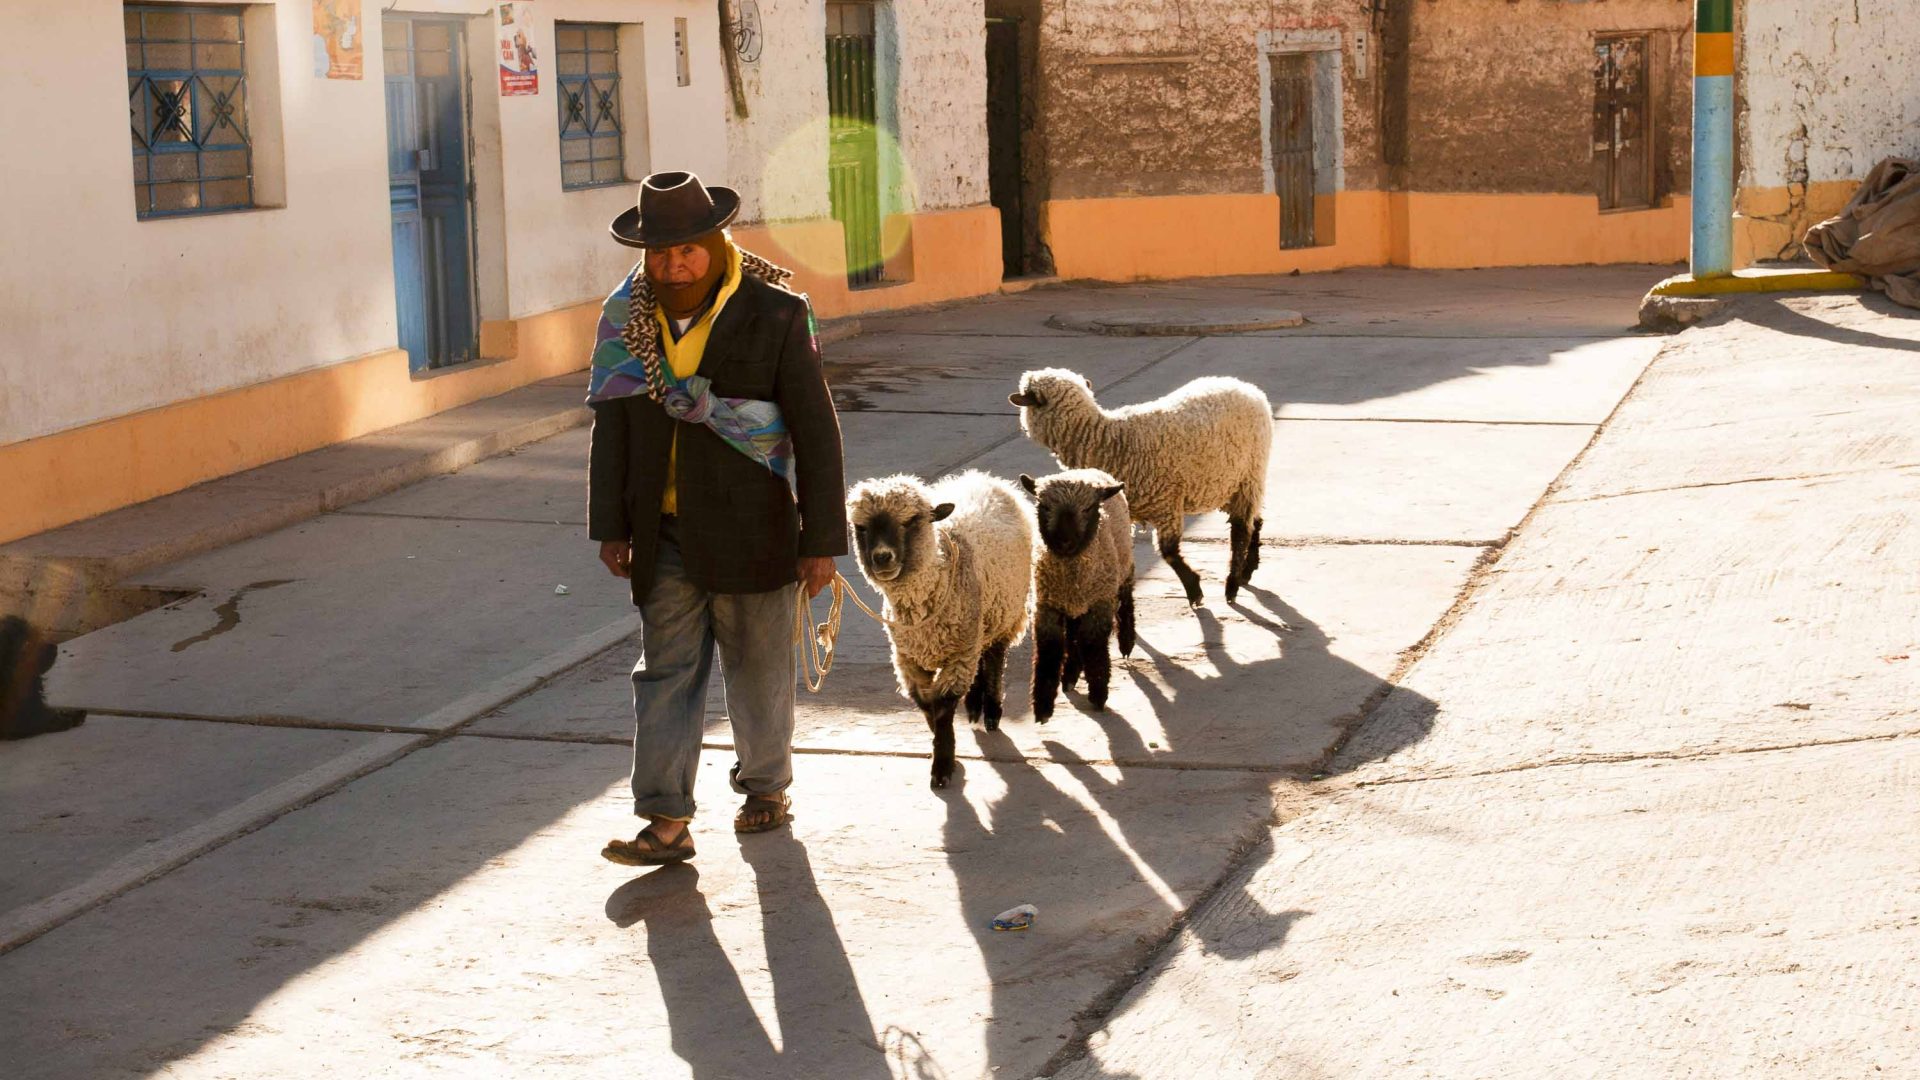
(1201,448)
(954,562)
(1082,583)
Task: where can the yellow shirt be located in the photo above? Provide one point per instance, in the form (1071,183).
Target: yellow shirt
(683,357)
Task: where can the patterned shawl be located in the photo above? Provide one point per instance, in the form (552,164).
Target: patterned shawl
(628,359)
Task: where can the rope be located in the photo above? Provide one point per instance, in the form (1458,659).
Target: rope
(818,641)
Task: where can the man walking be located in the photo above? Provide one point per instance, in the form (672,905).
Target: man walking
(709,413)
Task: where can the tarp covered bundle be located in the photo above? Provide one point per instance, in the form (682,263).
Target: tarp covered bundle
(1877,234)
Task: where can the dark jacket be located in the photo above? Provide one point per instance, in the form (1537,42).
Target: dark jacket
(740,530)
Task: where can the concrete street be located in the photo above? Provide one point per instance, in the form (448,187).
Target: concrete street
(1549,740)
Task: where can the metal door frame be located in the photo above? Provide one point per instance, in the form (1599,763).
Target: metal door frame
(458,26)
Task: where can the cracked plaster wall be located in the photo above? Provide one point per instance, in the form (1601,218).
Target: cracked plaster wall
(932,68)
(1501,93)
(1190,125)
(1828,90)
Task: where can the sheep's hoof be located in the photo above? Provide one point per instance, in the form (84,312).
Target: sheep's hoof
(993,722)
(1099,703)
(1040,716)
(940,779)
(1233,590)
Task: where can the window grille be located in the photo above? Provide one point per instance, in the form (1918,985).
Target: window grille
(187,102)
(591,149)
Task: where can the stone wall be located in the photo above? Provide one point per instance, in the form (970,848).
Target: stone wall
(1501,93)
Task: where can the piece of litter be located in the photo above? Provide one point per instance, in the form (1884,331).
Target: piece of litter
(1019,918)
(559,590)
(1153,746)
(409,556)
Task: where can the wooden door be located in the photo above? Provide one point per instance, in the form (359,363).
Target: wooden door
(1292,141)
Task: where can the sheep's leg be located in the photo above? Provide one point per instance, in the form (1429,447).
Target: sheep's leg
(991,681)
(977,695)
(1253,552)
(1070,670)
(1238,531)
(938,709)
(1049,650)
(1170,551)
(1093,630)
(1123,619)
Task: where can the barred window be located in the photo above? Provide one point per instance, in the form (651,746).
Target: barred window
(187,101)
(591,153)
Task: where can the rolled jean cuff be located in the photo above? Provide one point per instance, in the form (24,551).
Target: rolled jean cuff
(733,781)
(670,807)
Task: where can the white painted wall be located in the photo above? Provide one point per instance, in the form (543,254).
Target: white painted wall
(933,66)
(106,315)
(1830,89)
(942,102)
(779,152)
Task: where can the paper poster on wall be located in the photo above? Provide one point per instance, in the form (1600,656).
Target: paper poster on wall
(519,71)
(337,48)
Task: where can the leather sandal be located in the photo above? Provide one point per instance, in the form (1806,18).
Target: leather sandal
(647,849)
(763,813)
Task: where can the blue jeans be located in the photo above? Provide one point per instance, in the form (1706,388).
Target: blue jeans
(681,625)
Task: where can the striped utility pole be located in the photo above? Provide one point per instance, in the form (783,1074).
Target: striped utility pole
(1712,253)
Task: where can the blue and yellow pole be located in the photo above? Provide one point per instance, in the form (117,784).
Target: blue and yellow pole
(1712,252)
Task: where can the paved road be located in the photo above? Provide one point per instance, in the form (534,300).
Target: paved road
(368,767)
(1648,807)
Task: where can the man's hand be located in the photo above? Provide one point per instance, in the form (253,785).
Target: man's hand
(617,556)
(816,573)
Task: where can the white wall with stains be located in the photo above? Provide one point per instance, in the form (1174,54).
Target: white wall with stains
(107,315)
(1830,89)
(932,77)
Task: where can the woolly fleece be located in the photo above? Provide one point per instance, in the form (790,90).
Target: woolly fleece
(1096,574)
(1201,448)
(968,581)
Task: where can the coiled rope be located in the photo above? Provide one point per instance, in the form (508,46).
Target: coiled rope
(818,640)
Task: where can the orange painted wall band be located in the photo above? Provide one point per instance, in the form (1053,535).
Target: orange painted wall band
(1712,54)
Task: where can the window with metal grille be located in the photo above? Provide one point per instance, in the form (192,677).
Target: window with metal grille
(588,56)
(187,101)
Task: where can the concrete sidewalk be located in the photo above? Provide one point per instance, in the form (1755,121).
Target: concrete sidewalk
(1647,807)
(340,808)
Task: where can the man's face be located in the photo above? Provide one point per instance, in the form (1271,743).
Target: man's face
(681,264)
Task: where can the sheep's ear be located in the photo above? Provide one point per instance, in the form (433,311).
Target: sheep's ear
(941,512)
(1027,399)
(1109,492)
(1027,482)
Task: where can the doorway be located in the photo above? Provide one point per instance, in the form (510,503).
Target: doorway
(1291,116)
(1622,150)
(429,181)
(1005,161)
(853,145)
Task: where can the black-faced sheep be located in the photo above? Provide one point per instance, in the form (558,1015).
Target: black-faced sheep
(954,562)
(1082,583)
(1201,448)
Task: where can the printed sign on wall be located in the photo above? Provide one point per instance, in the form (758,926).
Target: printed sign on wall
(337,48)
(519,68)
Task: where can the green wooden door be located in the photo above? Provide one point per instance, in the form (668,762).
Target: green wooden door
(853,172)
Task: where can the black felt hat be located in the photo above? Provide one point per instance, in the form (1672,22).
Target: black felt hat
(674,207)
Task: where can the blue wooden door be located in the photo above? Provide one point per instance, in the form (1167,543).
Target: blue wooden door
(430,191)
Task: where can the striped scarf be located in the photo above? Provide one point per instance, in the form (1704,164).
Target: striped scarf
(629,360)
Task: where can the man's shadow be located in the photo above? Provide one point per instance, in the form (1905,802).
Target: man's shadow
(824,1026)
